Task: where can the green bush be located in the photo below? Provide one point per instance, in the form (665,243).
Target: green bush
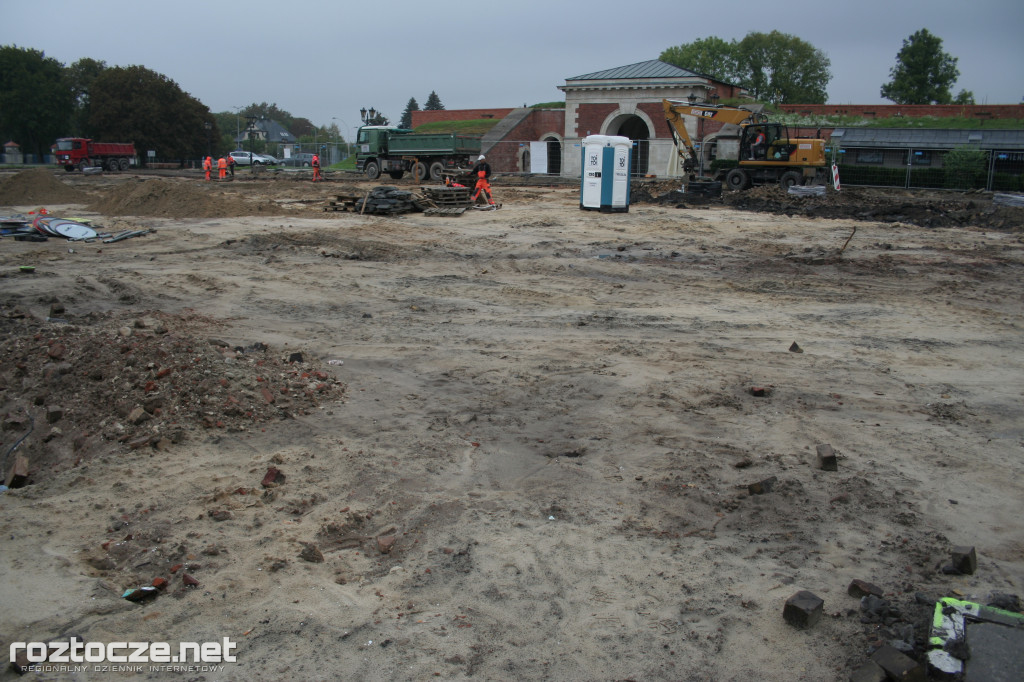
(1007,182)
(873,175)
(965,168)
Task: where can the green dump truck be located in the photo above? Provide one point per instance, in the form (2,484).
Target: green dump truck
(397,151)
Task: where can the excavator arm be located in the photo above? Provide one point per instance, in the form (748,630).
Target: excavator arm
(675,110)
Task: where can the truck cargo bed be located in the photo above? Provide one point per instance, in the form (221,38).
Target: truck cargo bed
(433,144)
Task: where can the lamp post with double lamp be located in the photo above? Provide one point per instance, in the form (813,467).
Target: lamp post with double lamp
(250,126)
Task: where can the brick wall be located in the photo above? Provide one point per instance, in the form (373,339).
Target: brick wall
(421,117)
(977,112)
(504,156)
(590,116)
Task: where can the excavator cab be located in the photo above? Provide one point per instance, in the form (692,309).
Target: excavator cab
(775,146)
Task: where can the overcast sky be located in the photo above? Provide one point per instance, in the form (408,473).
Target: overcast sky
(327,59)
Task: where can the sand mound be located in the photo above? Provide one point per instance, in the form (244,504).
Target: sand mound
(37,186)
(177,199)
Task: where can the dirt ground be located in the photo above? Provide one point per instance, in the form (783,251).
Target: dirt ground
(508,445)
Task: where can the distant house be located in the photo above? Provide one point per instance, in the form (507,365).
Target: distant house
(271,132)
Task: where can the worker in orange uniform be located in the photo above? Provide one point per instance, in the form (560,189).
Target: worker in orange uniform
(316,168)
(208,166)
(222,168)
(231,165)
(482,170)
(757,146)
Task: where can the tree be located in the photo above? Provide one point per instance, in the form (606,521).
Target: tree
(775,67)
(134,104)
(81,76)
(923,73)
(412,106)
(964,97)
(709,56)
(783,69)
(433,103)
(35,100)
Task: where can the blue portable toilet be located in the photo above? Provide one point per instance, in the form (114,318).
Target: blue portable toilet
(605,174)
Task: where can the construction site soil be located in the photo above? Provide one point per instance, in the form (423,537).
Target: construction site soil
(533,443)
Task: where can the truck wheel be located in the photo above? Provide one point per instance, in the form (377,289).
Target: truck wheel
(372,170)
(419,171)
(83,164)
(791,178)
(396,175)
(737,179)
(69,168)
(125,164)
(112,165)
(436,171)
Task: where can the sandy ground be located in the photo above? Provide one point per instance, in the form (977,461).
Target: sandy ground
(549,411)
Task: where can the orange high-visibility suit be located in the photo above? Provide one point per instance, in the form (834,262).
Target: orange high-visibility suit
(316,169)
(208,166)
(222,168)
(483,172)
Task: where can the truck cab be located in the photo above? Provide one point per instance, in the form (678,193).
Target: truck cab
(372,152)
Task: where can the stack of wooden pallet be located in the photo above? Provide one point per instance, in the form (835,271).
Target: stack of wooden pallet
(344,202)
(446,200)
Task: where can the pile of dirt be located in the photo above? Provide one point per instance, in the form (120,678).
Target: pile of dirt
(141,381)
(165,198)
(37,186)
(913,207)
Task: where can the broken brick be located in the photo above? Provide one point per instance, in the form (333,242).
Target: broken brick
(160,583)
(267,395)
(762,487)
(965,559)
(803,609)
(189,581)
(385,543)
(827,458)
(273,478)
(311,553)
(860,588)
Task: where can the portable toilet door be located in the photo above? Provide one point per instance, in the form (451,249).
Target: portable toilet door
(605,173)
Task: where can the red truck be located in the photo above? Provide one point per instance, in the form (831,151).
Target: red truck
(78,152)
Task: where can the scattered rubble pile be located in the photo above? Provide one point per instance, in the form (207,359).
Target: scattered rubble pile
(388,200)
(917,207)
(120,380)
(37,186)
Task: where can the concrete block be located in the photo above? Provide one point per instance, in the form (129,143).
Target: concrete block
(965,560)
(898,666)
(869,672)
(827,458)
(803,609)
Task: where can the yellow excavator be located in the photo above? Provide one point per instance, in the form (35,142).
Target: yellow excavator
(764,152)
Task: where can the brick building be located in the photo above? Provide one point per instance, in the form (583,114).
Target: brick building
(627,101)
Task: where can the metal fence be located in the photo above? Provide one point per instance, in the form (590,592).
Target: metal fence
(961,169)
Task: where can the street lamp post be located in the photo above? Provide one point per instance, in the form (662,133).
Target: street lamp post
(348,144)
(208,126)
(250,126)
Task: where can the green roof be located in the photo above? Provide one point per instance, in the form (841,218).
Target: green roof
(650,69)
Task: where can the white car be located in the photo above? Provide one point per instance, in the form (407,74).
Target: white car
(242,159)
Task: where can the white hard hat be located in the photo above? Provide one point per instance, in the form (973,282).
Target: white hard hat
(480,158)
